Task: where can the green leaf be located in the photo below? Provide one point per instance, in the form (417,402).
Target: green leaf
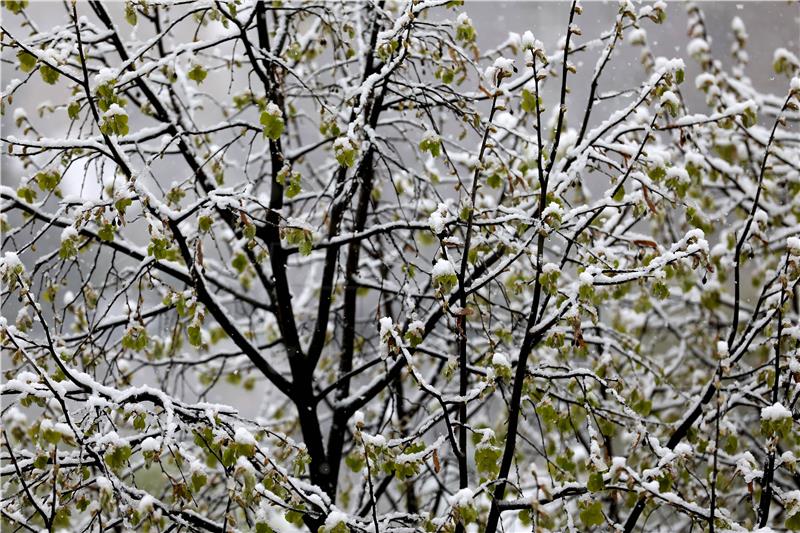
(239,262)
(592,515)
(660,290)
(548,413)
(161,248)
(122,204)
(619,194)
(466,514)
(242,100)
(448,75)
(229,456)
(197,74)
(130,14)
(293,189)
(487,459)
(73,109)
(204,223)
(15,6)
(117,457)
(431,144)
(595,482)
(665,483)
(793,522)
(549,281)
(139,421)
(115,125)
(50,435)
(302,238)
(135,339)
(446,282)
(107,96)
(731,444)
(27,61)
(566,463)
(529,100)
(175,195)
(49,74)
(290,179)
(345,152)
(262,527)
(465,32)
(294,517)
(27,194)
(341,527)
(273,125)
(679,76)
(656,173)
(329,128)
(61,518)
(195,335)
(749,118)
(249,230)
(586,292)
(413,338)
(643,407)
(106,232)
(48,179)
(40,462)
(355,462)
(305,247)
(199,479)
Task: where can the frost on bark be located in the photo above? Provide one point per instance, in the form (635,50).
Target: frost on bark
(354,266)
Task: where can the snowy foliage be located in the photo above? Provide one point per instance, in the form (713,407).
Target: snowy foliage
(336,266)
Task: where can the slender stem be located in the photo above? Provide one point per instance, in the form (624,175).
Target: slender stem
(769,466)
(528,341)
(715,468)
(461,322)
(371,491)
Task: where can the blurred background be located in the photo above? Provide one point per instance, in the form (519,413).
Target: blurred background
(770,24)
